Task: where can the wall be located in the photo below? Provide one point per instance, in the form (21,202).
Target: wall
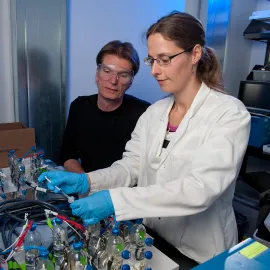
(40,53)
(258,48)
(94,23)
(6,85)
(238,49)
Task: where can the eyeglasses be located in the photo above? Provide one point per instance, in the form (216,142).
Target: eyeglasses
(106,72)
(163,60)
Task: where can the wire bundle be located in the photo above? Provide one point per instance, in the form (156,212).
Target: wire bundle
(12,216)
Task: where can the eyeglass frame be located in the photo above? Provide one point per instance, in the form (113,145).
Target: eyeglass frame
(117,73)
(169,57)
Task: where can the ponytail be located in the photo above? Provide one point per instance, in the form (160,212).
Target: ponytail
(209,71)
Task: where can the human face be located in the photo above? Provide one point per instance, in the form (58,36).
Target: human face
(113,89)
(175,76)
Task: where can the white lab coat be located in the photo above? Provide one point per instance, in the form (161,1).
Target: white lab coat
(186,193)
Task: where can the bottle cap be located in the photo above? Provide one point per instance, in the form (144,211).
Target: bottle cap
(34,226)
(115,231)
(149,241)
(139,221)
(77,245)
(126,255)
(44,253)
(148,255)
(58,221)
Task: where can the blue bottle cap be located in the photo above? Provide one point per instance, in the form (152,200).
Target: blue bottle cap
(41,248)
(77,245)
(3,196)
(115,231)
(33,148)
(126,255)
(58,221)
(12,152)
(44,253)
(149,241)
(148,255)
(34,226)
(19,159)
(139,221)
(148,268)
(41,155)
(125,267)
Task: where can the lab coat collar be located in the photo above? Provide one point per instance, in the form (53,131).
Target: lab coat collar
(195,106)
(158,142)
(199,100)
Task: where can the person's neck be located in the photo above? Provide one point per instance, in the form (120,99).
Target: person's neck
(108,105)
(184,98)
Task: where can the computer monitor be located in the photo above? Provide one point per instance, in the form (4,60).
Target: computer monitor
(255,95)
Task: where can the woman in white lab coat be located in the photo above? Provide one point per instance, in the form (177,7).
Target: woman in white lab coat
(185,152)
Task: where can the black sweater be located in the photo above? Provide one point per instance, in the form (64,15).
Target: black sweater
(96,137)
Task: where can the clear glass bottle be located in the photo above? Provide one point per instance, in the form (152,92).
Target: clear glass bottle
(41,160)
(137,235)
(22,187)
(94,235)
(44,263)
(76,258)
(2,194)
(32,238)
(12,165)
(115,247)
(60,240)
(33,164)
(11,160)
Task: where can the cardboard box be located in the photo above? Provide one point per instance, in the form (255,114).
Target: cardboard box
(15,136)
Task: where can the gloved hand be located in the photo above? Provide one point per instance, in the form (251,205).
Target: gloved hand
(67,181)
(93,208)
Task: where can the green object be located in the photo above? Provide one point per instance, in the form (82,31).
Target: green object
(23,266)
(10,265)
(120,248)
(53,260)
(142,235)
(49,223)
(83,261)
(50,256)
(49,267)
(42,170)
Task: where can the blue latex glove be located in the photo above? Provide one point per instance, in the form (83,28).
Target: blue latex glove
(67,181)
(93,208)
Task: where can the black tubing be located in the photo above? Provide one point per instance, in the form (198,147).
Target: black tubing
(11,232)
(4,233)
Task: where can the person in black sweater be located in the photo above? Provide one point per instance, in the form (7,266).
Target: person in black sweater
(99,126)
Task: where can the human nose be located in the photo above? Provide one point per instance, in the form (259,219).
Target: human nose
(114,78)
(155,69)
